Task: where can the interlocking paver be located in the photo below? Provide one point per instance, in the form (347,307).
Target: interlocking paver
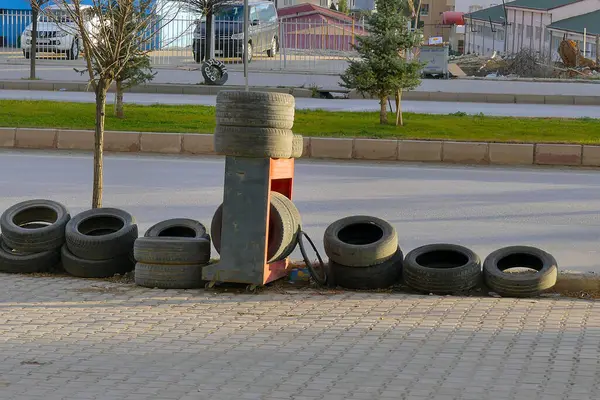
(63,338)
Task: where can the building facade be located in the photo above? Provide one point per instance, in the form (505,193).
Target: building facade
(485,31)
(430,19)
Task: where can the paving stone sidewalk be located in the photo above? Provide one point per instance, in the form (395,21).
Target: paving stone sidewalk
(64,338)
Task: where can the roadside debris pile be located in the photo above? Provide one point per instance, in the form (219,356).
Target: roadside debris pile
(574,62)
(526,63)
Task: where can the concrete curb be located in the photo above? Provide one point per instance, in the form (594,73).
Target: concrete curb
(471,153)
(569,281)
(308,93)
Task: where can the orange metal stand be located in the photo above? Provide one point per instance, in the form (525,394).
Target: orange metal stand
(245,229)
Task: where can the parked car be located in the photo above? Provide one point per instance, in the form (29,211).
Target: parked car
(263,31)
(57,32)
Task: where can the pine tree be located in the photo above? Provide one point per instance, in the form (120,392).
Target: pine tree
(383,69)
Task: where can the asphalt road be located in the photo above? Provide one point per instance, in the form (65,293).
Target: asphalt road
(423,107)
(62,70)
(481,207)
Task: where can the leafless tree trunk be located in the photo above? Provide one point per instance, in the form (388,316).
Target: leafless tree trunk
(383,110)
(119,100)
(101,90)
(399,120)
(34,34)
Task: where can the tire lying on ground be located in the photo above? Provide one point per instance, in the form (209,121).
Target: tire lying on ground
(253,142)
(84,268)
(16,262)
(34,226)
(297,146)
(360,241)
(172,254)
(442,269)
(284,226)
(101,234)
(378,276)
(168,276)
(520,284)
(255,109)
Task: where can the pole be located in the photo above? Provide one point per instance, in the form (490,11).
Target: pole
(598,50)
(246,18)
(584,42)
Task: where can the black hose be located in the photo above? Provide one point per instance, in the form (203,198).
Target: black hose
(320,278)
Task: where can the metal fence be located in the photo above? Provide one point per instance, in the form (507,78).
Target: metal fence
(314,46)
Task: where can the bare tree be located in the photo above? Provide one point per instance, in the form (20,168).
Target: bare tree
(114,34)
(207,8)
(36,6)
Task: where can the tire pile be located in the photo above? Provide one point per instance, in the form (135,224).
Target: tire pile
(285,225)
(256,124)
(33,233)
(99,243)
(171,255)
(363,253)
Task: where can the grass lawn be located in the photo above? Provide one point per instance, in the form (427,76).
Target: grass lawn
(201,119)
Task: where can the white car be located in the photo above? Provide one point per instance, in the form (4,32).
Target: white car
(57,32)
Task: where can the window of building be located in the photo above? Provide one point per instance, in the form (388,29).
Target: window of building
(529,31)
(538,33)
(424,10)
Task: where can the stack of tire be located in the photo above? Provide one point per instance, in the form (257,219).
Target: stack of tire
(285,225)
(33,232)
(171,255)
(363,253)
(99,243)
(256,124)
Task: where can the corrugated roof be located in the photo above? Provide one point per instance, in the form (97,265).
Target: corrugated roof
(541,4)
(308,8)
(496,13)
(590,21)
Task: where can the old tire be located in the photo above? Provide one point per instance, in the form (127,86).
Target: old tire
(378,276)
(83,268)
(178,228)
(520,285)
(360,241)
(101,234)
(281,229)
(442,269)
(171,250)
(255,109)
(26,263)
(253,142)
(20,231)
(295,224)
(262,118)
(297,146)
(168,276)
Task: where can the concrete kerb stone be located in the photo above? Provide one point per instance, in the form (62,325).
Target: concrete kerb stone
(591,156)
(420,150)
(192,143)
(164,143)
(570,281)
(336,148)
(27,138)
(558,154)
(7,137)
(122,141)
(75,139)
(511,153)
(465,152)
(375,149)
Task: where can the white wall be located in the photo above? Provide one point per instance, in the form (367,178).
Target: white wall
(528,29)
(483,41)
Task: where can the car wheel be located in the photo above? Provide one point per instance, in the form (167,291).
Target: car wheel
(73,54)
(250,53)
(26,54)
(198,52)
(273,50)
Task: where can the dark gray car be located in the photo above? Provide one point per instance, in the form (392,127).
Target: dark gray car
(263,31)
